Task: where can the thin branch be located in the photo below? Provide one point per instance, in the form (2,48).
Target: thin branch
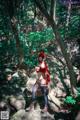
(47,44)
(69,13)
(45,5)
(45,13)
(52,8)
(42,9)
(57,58)
(54,14)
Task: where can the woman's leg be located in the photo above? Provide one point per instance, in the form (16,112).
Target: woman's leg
(34,89)
(45,92)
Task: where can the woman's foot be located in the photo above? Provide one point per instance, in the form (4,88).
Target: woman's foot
(31,107)
(45,109)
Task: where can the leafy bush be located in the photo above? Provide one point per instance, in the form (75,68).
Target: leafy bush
(70,100)
(72,103)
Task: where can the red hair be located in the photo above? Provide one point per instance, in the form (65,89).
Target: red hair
(42,54)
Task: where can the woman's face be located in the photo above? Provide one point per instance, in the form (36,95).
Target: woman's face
(40,59)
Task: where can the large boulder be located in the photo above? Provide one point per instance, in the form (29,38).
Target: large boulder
(31,81)
(34,115)
(20,115)
(4,106)
(54,102)
(17,102)
(30,115)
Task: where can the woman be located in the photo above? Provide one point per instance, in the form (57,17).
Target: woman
(42,81)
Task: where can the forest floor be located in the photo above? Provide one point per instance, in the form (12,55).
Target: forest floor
(36,114)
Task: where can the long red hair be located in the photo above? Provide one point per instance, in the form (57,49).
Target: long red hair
(42,54)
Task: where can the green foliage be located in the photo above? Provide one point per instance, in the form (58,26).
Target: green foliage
(70,100)
(33,41)
(73,104)
(41,36)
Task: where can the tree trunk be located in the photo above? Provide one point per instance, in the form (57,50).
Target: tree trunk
(19,49)
(66,56)
(11,8)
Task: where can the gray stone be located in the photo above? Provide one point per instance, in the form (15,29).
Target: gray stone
(20,115)
(31,115)
(34,115)
(31,81)
(54,102)
(18,102)
(78,116)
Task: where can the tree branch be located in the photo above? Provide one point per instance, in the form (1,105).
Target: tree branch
(57,58)
(52,8)
(42,9)
(45,13)
(69,13)
(45,5)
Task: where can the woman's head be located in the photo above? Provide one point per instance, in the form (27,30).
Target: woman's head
(41,56)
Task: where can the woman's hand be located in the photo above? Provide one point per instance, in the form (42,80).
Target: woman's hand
(37,69)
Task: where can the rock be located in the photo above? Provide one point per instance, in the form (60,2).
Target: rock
(18,102)
(47,116)
(60,93)
(4,106)
(8,70)
(53,107)
(31,115)
(78,116)
(30,84)
(31,81)
(16,75)
(54,102)
(34,115)
(20,115)
(67,82)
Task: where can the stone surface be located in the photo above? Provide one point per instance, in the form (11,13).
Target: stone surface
(31,81)
(18,102)
(55,103)
(34,114)
(20,115)
(78,116)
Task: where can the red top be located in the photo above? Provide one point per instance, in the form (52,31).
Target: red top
(44,69)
